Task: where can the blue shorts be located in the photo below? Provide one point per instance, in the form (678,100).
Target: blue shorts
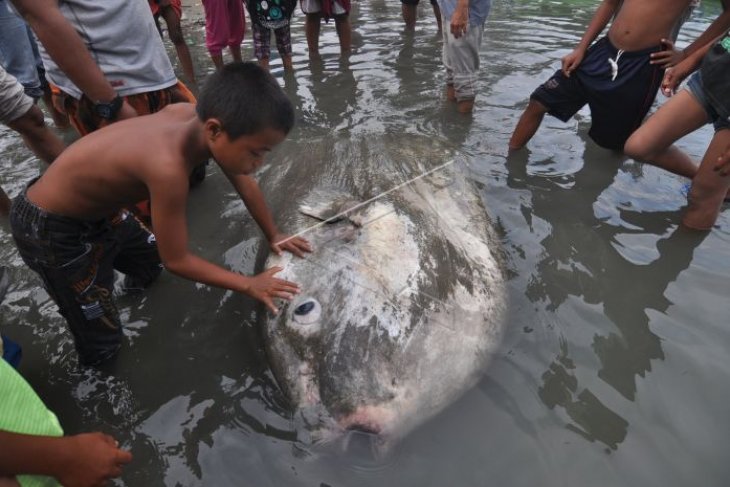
(694,86)
(618,106)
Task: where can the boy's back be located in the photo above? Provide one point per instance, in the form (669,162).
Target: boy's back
(115,167)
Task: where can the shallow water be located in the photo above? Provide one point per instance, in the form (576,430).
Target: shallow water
(613,370)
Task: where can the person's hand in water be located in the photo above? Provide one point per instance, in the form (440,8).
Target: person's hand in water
(265,287)
(668,57)
(93,459)
(296,245)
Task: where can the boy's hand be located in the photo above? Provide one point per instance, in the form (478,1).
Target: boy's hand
(571,62)
(668,57)
(93,459)
(673,77)
(723,163)
(296,245)
(265,287)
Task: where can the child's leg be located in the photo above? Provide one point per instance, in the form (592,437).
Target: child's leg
(262,44)
(137,257)
(283,44)
(236,28)
(528,124)
(216,30)
(709,188)
(174,30)
(409,8)
(652,142)
(344,32)
(311,29)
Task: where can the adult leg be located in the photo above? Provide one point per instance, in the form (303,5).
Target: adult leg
(709,187)
(344,32)
(311,29)
(174,30)
(652,142)
(37,135)
(462,58)
(528,124)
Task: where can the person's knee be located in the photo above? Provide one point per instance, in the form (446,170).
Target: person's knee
(535,109)
(638,147)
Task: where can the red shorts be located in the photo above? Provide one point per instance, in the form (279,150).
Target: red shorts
(175,4)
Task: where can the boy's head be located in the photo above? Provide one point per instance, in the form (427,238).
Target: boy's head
(245,113)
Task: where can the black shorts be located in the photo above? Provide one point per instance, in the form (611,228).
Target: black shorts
(415,2)
(617,106)
(76,260)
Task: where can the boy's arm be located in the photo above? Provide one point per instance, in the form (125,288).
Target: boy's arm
(600,20)
(75,461)
(253,198)
(169,197)
(717,28)
(68,51)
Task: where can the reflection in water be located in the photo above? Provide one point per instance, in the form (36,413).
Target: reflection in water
(590,265)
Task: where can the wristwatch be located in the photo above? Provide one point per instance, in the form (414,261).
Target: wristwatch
(108,110)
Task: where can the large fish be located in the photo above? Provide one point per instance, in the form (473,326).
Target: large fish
(403,298)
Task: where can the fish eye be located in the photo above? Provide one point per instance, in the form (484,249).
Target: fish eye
(307,312)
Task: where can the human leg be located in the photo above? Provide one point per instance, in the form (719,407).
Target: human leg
(262,44)
(16,51)
(652,141)
(236,28)
(344,32)
(174,30)
(312,25)
(409,8)
(709,187)
(283,45)
(138,257)
(216,30)
(528,124)
(74,260)
(37,135)
(461,60)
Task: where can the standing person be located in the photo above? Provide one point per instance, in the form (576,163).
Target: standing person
(337,9)
(617,76)
(705,100)
(409,8)
(462,40)
(171,11)
(105,61)
(225,25)
(268,15)
(18,111)
(20,57)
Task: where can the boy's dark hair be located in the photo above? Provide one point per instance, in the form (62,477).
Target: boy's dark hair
(246,99)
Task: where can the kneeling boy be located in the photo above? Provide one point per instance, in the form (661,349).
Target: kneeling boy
(71,228)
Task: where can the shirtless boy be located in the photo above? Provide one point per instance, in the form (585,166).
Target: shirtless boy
(70,227)
(618,76)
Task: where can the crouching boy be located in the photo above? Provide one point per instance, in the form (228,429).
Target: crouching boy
(71,228)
